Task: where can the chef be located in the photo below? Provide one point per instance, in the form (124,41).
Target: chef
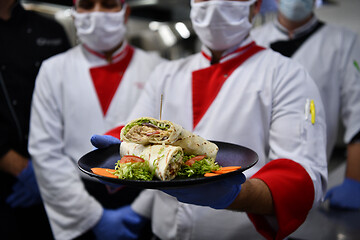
(88,89)
(235,91)
(331,55)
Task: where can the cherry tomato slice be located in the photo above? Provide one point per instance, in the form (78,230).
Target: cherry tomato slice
(191,161)
(130,158)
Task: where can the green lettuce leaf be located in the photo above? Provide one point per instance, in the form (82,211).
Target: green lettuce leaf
(134,171)
(198,168)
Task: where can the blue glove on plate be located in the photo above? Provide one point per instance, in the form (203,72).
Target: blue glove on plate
(346,195)
(25,191)
(103,141)
(218,195)
(122,223)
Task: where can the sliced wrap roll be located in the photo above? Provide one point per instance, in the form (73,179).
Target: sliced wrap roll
(148,130)
(165,159)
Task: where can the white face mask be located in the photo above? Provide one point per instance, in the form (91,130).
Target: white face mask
(221,25)
(100,31)
(296,10)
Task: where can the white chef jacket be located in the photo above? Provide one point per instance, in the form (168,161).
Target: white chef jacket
(65,113)
(328,55)
(260,106)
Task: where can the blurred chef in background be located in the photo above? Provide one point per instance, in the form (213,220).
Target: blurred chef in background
(331,54)
(235,91)
(88,89)
(26,39)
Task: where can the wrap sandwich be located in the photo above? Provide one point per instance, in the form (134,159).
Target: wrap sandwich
(147,130)
(164,160)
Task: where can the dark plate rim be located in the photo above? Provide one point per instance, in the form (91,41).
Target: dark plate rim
(175,183)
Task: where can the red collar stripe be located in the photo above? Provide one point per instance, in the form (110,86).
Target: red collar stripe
(106,79)
(236,51)
(207,82)
(126,49)
(94,52)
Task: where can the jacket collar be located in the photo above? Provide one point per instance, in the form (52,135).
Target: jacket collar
(96,58)
(300,31)
(230,53)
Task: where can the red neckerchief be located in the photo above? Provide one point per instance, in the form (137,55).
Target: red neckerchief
(106,79)
(207,82)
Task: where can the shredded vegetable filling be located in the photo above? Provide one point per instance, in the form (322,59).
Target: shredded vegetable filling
(142,170)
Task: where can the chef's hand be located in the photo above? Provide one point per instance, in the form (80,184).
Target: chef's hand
(103,141)
(346,195)
(218,195)
(25,191)
(122,223)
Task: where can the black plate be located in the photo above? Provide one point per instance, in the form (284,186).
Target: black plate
(228,155)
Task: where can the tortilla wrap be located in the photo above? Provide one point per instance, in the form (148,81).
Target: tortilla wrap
(148,130)
(165,159)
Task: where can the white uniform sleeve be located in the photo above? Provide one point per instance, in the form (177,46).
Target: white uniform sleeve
(71,210)
(350,87)
(144,202)
(293,135)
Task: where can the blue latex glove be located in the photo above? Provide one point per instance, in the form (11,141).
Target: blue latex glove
(25,191)
(103,141)
(218,195)
(346,195)
(122,223)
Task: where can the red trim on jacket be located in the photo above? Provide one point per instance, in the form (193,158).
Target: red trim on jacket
(207,82)
(293,194)
(240,49)
(106,79)
(101,55)
(115,132)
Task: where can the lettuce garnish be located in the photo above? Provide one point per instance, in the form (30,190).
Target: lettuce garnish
(198,168)
(142,171)
(134,171)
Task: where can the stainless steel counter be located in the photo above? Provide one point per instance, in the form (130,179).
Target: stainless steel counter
(330,224)
(324,223)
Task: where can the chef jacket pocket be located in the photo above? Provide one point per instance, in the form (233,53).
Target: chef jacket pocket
(313,139)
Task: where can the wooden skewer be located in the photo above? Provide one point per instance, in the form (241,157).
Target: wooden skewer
(161,102)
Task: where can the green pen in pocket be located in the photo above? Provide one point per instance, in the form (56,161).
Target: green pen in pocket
(356,65)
